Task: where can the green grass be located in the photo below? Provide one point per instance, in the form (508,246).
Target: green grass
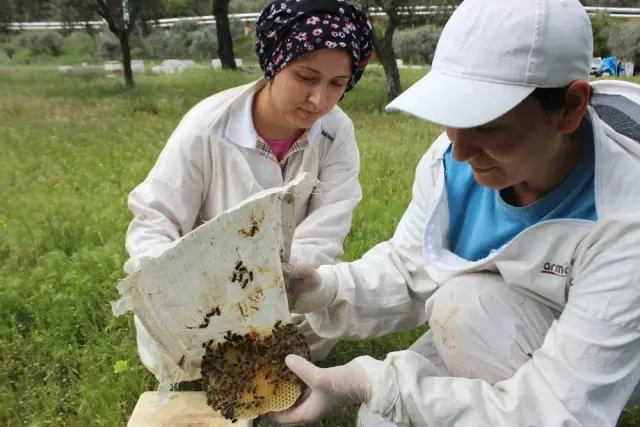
(72,149)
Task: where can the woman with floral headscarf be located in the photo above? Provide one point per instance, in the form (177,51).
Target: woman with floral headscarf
(261,135)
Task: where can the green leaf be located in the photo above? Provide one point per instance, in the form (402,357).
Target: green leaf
(120,366)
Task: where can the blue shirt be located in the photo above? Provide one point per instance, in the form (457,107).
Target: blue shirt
(481,221)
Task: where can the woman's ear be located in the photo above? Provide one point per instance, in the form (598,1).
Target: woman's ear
(575,106)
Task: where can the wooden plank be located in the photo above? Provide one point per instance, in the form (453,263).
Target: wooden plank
(182,409)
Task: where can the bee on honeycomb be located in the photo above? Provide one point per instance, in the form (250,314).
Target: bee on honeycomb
(245,375)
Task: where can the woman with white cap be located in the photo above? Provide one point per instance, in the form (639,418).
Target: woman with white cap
(262,135)
(520,247)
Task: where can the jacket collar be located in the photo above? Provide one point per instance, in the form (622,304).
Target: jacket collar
(616,174)
(240,129)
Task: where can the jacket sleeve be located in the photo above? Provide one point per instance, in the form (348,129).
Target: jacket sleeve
(385,290)
(319,238)
(583,375)
(165,205)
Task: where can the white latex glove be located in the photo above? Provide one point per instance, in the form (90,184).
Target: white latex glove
(308,291)
(329,389)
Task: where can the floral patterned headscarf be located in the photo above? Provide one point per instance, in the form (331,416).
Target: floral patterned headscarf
(287,29)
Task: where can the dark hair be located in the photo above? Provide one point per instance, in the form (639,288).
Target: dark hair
(553,99)
(550,99)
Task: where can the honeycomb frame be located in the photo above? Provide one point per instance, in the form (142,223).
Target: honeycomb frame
(245,375)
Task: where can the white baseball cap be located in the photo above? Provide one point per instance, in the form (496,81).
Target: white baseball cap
(492,54)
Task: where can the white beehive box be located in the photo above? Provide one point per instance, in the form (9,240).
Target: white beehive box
(113,68)
(217,64)
(137,66)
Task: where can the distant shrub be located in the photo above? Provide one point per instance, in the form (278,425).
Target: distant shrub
(625,41)
(601,27)
(179,39)
(22,39)
(109,45)
(417,45)
(204,43)
(51,43)
(140,52)
(184,27)
(235,25)
(38,43)
(184,40)
(157,43)
(9,50)
(81,43)
(177,46)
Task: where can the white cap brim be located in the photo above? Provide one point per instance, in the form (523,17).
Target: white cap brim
(458,102)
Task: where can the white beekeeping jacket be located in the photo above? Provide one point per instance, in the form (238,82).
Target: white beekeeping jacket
(589,363)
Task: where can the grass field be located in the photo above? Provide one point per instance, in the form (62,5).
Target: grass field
(71,150)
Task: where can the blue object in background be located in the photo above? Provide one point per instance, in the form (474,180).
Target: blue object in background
(610,65)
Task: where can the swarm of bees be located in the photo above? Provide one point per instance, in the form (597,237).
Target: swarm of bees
(241,275)
(245,375)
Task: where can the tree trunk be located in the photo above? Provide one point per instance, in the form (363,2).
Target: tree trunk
(223,33)
(126,59)
(387,57)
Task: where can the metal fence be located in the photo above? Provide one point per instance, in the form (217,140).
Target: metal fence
(614,12)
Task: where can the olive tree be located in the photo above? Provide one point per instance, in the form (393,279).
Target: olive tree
(121,17)
(223,32)
(6,15)
(24,10)
(399,13)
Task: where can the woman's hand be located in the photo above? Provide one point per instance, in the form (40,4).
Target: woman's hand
(308,292)
(330,389)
